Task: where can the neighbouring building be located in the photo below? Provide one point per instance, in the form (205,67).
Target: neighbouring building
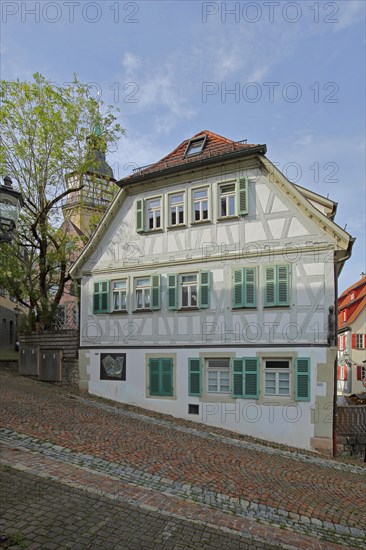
(208,292)
(351,372)
(82,210)
(9,315)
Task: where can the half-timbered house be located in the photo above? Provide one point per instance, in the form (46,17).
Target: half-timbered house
(208,292)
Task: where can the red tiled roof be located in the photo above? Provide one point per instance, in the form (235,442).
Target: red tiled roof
(356,312)
(354,307)
(353,287)
(215,146)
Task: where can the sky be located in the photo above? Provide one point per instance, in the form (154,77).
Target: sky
(287,74)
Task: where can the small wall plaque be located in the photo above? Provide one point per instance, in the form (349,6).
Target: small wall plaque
(113,366)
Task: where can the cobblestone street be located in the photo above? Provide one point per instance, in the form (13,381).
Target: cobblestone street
(109,476)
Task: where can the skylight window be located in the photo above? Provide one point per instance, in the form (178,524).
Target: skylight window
(195,146)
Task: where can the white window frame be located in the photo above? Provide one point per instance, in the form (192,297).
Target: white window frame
(119,291)
(234,194)
(143,289)
(170,207)
(359,341)
(200,201)
(277,372)
(219,372)
(153,210)
(189,285)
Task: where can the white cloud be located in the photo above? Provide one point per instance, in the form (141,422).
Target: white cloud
(350,12)
(131,62)
(161,89)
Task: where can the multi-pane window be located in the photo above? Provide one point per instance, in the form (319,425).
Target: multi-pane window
(143,293)
(153,207)
(119,295)
(147,292)
(277,377)
(218,375)
(189,290)
(359,341)
(176,209)
(227,205)
(200,204)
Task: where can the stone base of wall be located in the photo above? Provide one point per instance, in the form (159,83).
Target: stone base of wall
(323,445)
(70,373)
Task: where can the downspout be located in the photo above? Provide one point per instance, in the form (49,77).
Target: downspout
(335,381)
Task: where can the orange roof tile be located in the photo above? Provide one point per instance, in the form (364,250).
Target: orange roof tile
(356,312)
(215,146)
(353,287)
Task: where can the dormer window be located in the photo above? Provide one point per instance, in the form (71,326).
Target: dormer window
(195,146)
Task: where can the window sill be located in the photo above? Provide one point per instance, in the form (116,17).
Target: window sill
(193,308)
(116,311)
(236,308)
(228,218)
(277,307)
(147,310)
(150,231)
(177,226)
(200,222)
(167,397)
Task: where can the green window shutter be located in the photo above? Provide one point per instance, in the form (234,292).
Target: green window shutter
(101,297)
(238,298)
(302,379)
(96,307)
(282,285)
(139,215)
(172,291)
(269,286)
(251,377)
(237,378)
(242,194)
(154,376)
(205,277)
(250,275)
(166,370)
(195,377)
(155,292)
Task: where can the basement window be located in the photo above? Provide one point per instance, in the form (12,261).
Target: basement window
(193,409)
(195,146)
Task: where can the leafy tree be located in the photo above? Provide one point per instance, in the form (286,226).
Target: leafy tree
(47,131)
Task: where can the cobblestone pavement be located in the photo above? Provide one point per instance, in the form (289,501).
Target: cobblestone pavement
(179,468)
(44,514)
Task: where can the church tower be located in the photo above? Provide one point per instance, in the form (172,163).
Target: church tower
(85,208)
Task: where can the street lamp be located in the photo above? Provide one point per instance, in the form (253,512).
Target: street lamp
(11,202)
